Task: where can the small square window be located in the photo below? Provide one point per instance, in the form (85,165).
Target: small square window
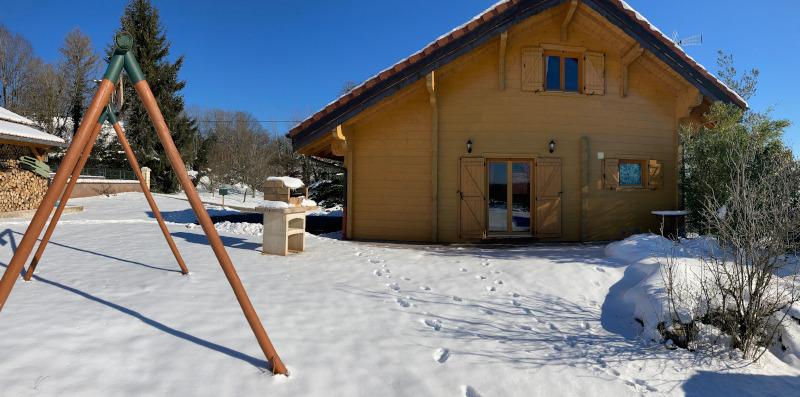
(631,173)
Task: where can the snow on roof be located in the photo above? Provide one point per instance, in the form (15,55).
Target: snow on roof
(291,183)
(487,14)
(17,128)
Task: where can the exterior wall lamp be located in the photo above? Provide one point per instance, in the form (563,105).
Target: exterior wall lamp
(552,146)
(469,146)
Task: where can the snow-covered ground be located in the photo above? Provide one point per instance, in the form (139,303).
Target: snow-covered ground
(108,313)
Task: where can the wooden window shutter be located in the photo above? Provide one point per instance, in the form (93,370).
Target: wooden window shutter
(610,173)
(656,176)
(594,73)
(548,197)
(472,208)
(532,69)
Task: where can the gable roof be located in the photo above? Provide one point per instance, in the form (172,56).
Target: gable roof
(16,128)
(485,26)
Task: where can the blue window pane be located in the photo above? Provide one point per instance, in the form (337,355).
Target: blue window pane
(570,74)
(553,73)
(630,174)
(498,197)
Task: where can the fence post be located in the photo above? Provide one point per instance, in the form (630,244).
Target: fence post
(146,174)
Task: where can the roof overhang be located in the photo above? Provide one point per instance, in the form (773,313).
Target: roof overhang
(480,30)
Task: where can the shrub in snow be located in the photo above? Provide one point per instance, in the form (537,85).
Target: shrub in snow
(689,295)
(328,193)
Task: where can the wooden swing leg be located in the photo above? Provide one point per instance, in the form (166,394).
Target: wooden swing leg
(149,101)
(54,191)
(146,191)
(87,149)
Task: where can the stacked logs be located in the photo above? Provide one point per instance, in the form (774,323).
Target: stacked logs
(19,189)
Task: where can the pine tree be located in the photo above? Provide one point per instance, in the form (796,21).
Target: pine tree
(151,48)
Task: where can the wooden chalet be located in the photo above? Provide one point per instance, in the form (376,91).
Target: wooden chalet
(550,119)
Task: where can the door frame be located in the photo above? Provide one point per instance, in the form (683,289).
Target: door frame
(509,188)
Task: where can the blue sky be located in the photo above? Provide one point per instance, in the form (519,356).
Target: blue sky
(274,58)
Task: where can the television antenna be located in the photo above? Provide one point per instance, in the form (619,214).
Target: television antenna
(691,40)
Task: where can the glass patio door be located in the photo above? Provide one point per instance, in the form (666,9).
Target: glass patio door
(509,197)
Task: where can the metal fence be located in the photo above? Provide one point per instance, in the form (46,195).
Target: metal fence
(106,173)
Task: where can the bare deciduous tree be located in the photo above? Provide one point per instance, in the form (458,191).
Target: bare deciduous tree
(748,279)
(16,67)
(78,63)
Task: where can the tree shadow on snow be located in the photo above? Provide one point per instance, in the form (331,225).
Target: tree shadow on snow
(8,233)
(705,383)
(528,330)
(259,363)
(588,253)
(187,215)
(227,241)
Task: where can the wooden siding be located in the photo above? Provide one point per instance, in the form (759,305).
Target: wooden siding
(392,147)
(392,170)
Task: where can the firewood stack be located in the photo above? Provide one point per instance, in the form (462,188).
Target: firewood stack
(19,189)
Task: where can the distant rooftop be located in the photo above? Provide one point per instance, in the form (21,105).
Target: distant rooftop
(16,128)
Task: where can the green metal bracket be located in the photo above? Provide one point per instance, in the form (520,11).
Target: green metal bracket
(103,116)
(122,43)
(133,69)
(112,117)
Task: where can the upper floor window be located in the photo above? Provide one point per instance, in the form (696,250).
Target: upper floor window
(562,71)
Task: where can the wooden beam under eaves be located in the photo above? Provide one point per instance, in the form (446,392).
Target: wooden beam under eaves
(627,59)
(502,68)
(339,143)
(572,6)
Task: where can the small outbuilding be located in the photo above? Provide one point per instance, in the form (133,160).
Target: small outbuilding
(20,188)
(548,119)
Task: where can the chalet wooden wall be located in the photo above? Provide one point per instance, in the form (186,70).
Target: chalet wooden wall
(392,155)
(389,145)
(19,189)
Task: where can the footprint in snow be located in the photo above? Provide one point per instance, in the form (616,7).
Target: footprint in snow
(514,302)
(435,324)
(552,327)
(393,286)
(457,299)
(424,288)
(487,311)
(599,269)
(514,294)
(480,277)
(376,261)
(402,303)
(525,327)
(490,289)
(498,282)
(377,273)
(359,254)
(463,270)
(441,355)
(595,283)
(470,391)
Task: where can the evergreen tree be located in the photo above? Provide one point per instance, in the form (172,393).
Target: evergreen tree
(151,48)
